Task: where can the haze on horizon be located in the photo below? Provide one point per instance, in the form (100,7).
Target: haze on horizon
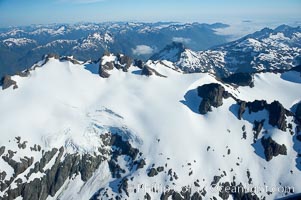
(20,12)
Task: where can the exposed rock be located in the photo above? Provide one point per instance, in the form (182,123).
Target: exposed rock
(242,108)
(212,95)
(147,196)
(258,125)
(215,181)
(24,73)
(239,193)
(272,149)
(123,186)
(298,112)
(185,194)
(152,172)
(22,145)
(62,169)
(19,167)
(138,63)
(66,58)
(103,73)
(196,184)
(240,79)
(2,150)
(256,106)
(196,196)
(148,71)
(6,82)
(277,115)
(53,55)
(224,193)
(160,169)
(140,164)
(124,62)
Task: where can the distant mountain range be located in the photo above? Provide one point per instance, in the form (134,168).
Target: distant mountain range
(186,124)
(190,47)
(265,50)
(21,47)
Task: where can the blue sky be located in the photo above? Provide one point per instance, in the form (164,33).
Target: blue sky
(25,12)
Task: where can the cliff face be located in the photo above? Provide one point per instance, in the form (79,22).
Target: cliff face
(64,166)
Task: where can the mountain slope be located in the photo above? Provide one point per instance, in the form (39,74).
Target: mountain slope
(124,135)
(265,50)
(21,47)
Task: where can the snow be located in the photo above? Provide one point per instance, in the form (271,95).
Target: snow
(70,106)
(107,59)
(250,44)
(18,41)
(75,187)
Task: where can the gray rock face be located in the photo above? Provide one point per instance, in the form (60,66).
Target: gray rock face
(138,63)
(277,115)
(73,61)
(2,150)
(272,149)
(212,95)
(298,113)
(258,125)
(121,62)
(147,71)
(6,82)
(256,105)
(240,79)
(152,172)
(215,181)
(103,73)
(65,166)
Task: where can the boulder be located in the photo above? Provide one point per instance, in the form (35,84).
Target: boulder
(152,172)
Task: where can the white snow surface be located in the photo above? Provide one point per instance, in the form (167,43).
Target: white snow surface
(62,104)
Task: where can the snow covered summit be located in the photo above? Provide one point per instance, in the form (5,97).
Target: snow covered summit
(136,135)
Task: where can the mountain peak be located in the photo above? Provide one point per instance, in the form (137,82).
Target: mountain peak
(171,52)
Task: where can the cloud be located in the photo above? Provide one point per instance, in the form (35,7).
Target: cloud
(181,40)
(142,50)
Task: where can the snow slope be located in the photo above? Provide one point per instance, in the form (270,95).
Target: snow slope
(62,104)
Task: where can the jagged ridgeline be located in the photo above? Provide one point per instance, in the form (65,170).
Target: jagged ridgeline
(124,128)
(21,47)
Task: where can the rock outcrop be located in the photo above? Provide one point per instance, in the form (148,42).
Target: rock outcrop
(6,82)
(298,113)
(64,167)
(212,95)
(239,79)
(277,113)
(120,62)
(148,71)
(272,149)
